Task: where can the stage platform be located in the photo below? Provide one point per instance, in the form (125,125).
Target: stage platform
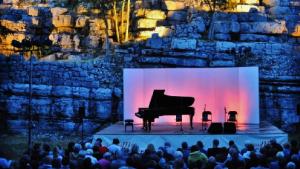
(256,134)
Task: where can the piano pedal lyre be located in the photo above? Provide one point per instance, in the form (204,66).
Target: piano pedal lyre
(179,120)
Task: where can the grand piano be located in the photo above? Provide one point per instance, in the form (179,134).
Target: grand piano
(162,105)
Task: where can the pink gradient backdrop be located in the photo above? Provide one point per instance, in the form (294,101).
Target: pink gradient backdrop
(235,88)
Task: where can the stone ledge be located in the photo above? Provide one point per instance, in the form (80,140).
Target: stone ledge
(62,21)
(155,14)
(222,63)
(101,93)
(172,5)
(146,23)
(15,26)
(184,44)
(184,62)
(264,27)
(58,11)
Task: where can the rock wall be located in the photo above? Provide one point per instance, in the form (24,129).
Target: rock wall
(76,31)
(59,89)
(81,30)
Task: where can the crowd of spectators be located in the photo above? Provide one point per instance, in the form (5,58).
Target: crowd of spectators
(125,156)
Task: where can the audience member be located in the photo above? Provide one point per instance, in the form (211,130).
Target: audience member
(232,145)
(294,147)
(185,151)
(115,146)
(105,161)
(215,149)
(196,158)
(201,147)
(118,160)
(234,162)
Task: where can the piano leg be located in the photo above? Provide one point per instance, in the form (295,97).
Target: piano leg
(191,121)
(149,125)
(144,124)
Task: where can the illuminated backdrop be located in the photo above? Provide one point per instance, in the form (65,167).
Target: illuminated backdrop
(233,88)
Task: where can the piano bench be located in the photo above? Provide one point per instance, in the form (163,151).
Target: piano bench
(129,122)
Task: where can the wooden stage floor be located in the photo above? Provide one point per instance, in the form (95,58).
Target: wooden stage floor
(256,133)
(173,128)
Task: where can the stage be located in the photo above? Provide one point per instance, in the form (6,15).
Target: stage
(256,134)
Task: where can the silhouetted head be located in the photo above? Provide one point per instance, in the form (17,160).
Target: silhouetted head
(98,142)
(184,145)
(56,163)
(151,148)
(294,143)
(194,148)
(116,141)
(135,148)
(167,144)
(107,155)
(215,143)
(231,143)
(200,144)
(71,146)
(291,165)
(87,163)
(46,147)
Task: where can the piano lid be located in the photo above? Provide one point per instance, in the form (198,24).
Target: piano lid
(159,99)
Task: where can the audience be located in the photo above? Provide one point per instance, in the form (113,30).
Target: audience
(96,156)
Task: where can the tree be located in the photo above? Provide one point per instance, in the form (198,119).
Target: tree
(213,5)
(128,18)
(122,30)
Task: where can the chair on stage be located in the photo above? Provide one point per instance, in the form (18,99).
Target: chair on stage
(232,116)
(206,119)
(128,122)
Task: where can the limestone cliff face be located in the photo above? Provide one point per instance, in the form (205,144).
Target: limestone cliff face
(58,90)
(164,33)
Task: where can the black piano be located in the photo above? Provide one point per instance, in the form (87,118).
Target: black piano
(162,105)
